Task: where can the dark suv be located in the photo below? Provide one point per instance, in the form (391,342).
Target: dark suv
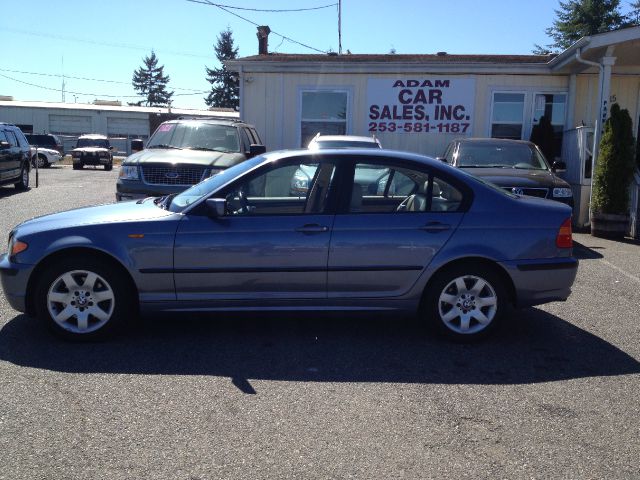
(45,140)
(92,150)
(184,152)
(14,157)
(517,166)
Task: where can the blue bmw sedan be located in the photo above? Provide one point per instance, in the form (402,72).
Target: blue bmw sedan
(299,230)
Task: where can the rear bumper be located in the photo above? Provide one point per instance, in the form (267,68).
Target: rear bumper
(14,278)
(542,280)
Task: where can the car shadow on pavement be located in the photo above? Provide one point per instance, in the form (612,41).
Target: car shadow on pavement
(582,252)
(534,346)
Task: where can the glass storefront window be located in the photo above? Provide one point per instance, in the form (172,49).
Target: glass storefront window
(324,112)
(507,116)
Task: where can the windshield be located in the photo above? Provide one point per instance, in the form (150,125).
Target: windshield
(92,142)
(500,155)
(211,184)
(196,136)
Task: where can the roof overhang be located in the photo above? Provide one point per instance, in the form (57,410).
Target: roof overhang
(623,44)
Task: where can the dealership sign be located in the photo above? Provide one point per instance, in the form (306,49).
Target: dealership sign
(420,105)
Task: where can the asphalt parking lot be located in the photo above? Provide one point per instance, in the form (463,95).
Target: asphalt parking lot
(555,394)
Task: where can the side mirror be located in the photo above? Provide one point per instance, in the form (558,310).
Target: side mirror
(111,147)
(4,145)
(559,167)
(255,149)
(216,207)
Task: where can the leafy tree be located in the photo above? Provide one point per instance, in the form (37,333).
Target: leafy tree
(225,87)
(579,18)
(615,164)
(634,14)
(150,81)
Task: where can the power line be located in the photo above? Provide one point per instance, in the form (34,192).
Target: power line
(264,9)
(94,94)
(108,44)
(88,79)
(289,39)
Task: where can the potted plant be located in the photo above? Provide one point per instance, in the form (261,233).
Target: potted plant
(612,177)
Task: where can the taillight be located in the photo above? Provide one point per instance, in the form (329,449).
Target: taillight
(563,239)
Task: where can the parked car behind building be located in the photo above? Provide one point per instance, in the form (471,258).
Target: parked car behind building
(514,165)
(184,152)
(14,157)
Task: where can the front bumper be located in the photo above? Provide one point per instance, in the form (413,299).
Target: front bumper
(542,280)
(14,278)
(136,189)
(92,160)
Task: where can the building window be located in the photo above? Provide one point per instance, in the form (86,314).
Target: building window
(323,111)
(507,116)
(553,107)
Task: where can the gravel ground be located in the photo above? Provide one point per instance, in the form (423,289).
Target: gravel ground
(553,395)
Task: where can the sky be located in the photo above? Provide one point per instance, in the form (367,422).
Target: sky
(98,45)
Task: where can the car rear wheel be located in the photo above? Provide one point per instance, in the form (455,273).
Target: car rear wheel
(23,182)
(40,161)
(83,299)
(466,303)
(77,166)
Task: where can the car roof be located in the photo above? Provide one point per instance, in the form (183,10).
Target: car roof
(366,153)
(212,120)
(494,141)
(346,138)
(93,136)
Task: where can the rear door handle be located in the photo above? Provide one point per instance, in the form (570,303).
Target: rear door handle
(312,228)
(434,227)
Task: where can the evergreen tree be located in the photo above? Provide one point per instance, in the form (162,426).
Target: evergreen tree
(615,164)
(579,18)
(634,15)
(225,87)
(150,81)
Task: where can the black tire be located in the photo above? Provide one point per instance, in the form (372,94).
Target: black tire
(77,166)
(23,181)
(108,300)
(108,167)
(43,161)
(469,314)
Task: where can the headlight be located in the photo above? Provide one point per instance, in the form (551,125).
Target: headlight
(75,154)
(16,246)
(562,192)
(129,172)
(104,154)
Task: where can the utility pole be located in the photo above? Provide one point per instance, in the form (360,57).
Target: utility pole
(339,27)
(63,79)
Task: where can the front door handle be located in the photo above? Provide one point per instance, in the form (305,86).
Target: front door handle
(434,227)
(312,228)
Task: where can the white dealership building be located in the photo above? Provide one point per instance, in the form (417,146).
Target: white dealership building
(420,103)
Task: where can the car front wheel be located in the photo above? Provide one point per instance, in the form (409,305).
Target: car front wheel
(466,303)
(82,299)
